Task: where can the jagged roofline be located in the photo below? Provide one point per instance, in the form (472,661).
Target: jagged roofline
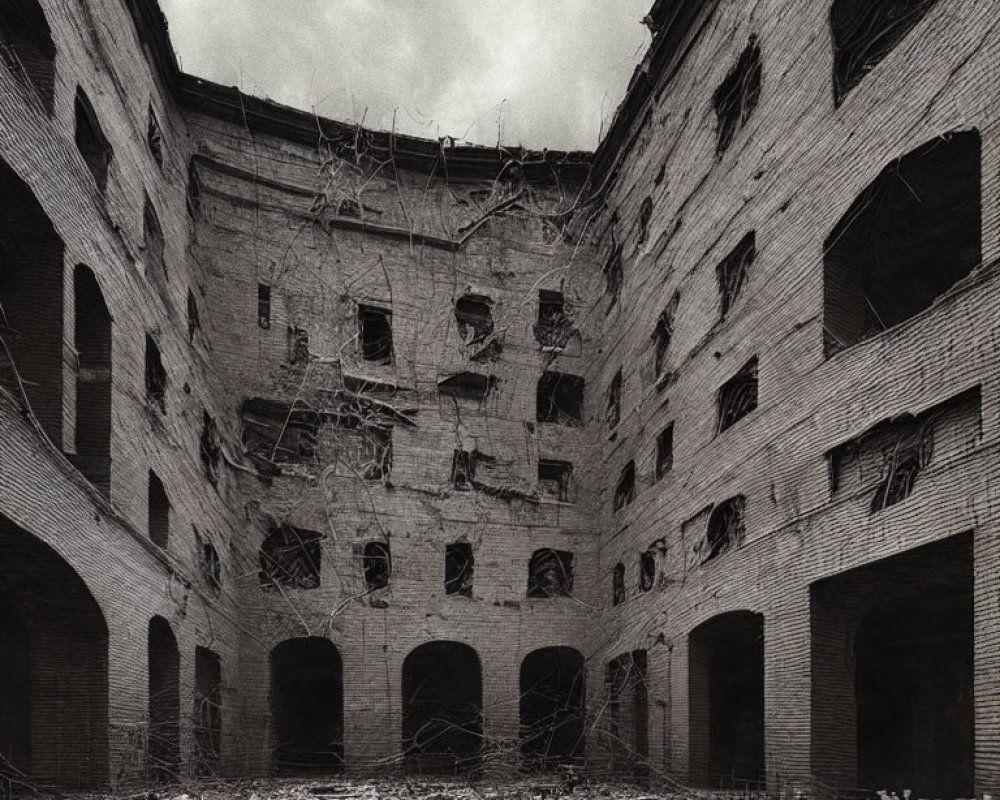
(672,23)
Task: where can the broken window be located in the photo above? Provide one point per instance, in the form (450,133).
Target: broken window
(459,569)
(550,573)
(738,396)
(463,469)
(158,512)
(554,327)
(211,565)
(376,563)
(467,385)
(663,335)
(625,488)
(725,527)
(375,333)
(207,709)
(474,315)
(665,451)
(613,412)
(193,189)
(349,208)
(733,272)
(264,305)
(613,277)
(645,214)
(90,141)
(153,237)
(554,479)
(92,339)
(737,96)
(560,398)
(277,431)
(210,447)
(618,584)
(290,557)
(154,137)
(298,345)
(647,570)
(865,32)
(27,47)
(193,317)
(913,233)
(156,376)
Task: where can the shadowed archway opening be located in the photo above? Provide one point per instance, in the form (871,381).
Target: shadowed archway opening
(552,706)
(726,700)
(442,708)
(307,707)
(54,669)
(164,702)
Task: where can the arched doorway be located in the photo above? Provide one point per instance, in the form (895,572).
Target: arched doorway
(552,706)
(307,706)
(726,700)
(54,692)
(164,702)
(442,708)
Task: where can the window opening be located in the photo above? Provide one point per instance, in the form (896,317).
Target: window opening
(159,512)
(290,558)
(554,479)
(90,141)
(459,569)
(737,96)
(665,451)
(375,330)
(738,396)
(550,573)
(264,305)
(733,272)
(156,376)
(625,488)
(560,398)
(377,565)
(726,527)
(613,413)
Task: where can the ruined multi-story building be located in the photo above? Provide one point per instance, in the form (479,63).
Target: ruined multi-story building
(327,448)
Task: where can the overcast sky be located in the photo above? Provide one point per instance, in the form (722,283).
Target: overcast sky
(545,73)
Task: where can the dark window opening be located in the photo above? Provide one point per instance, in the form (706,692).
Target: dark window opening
(307,707)
(463,469)
(726,702)
(90,141)
(552,709)
(625,488)
(618,584)
(164,702)
(207,710)
(27,47)
(264,305)
(737,95)
(554,326)
(92,338)
(459,569)
(665,451)
(349,208)
(376,564)
(210,448)
(554,479)
(298,345)
(912,234)
(442,709)
(154,137)
(32,308)
(627,688)
(550,573)
(560,398)
(193,317)
(375,331)
(613,277)
(893,670)
(159,512)
(474,315)
(156,376)
(645,215)
(613,411)
(467,385)
(733,272)
(726,527)
(865,32)
(193,189)
(290,558)
(156,266)
(663,335)
(211,565)
(738,396)
(278,432)
(647,570)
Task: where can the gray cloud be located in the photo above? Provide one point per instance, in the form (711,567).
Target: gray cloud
(544,73)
